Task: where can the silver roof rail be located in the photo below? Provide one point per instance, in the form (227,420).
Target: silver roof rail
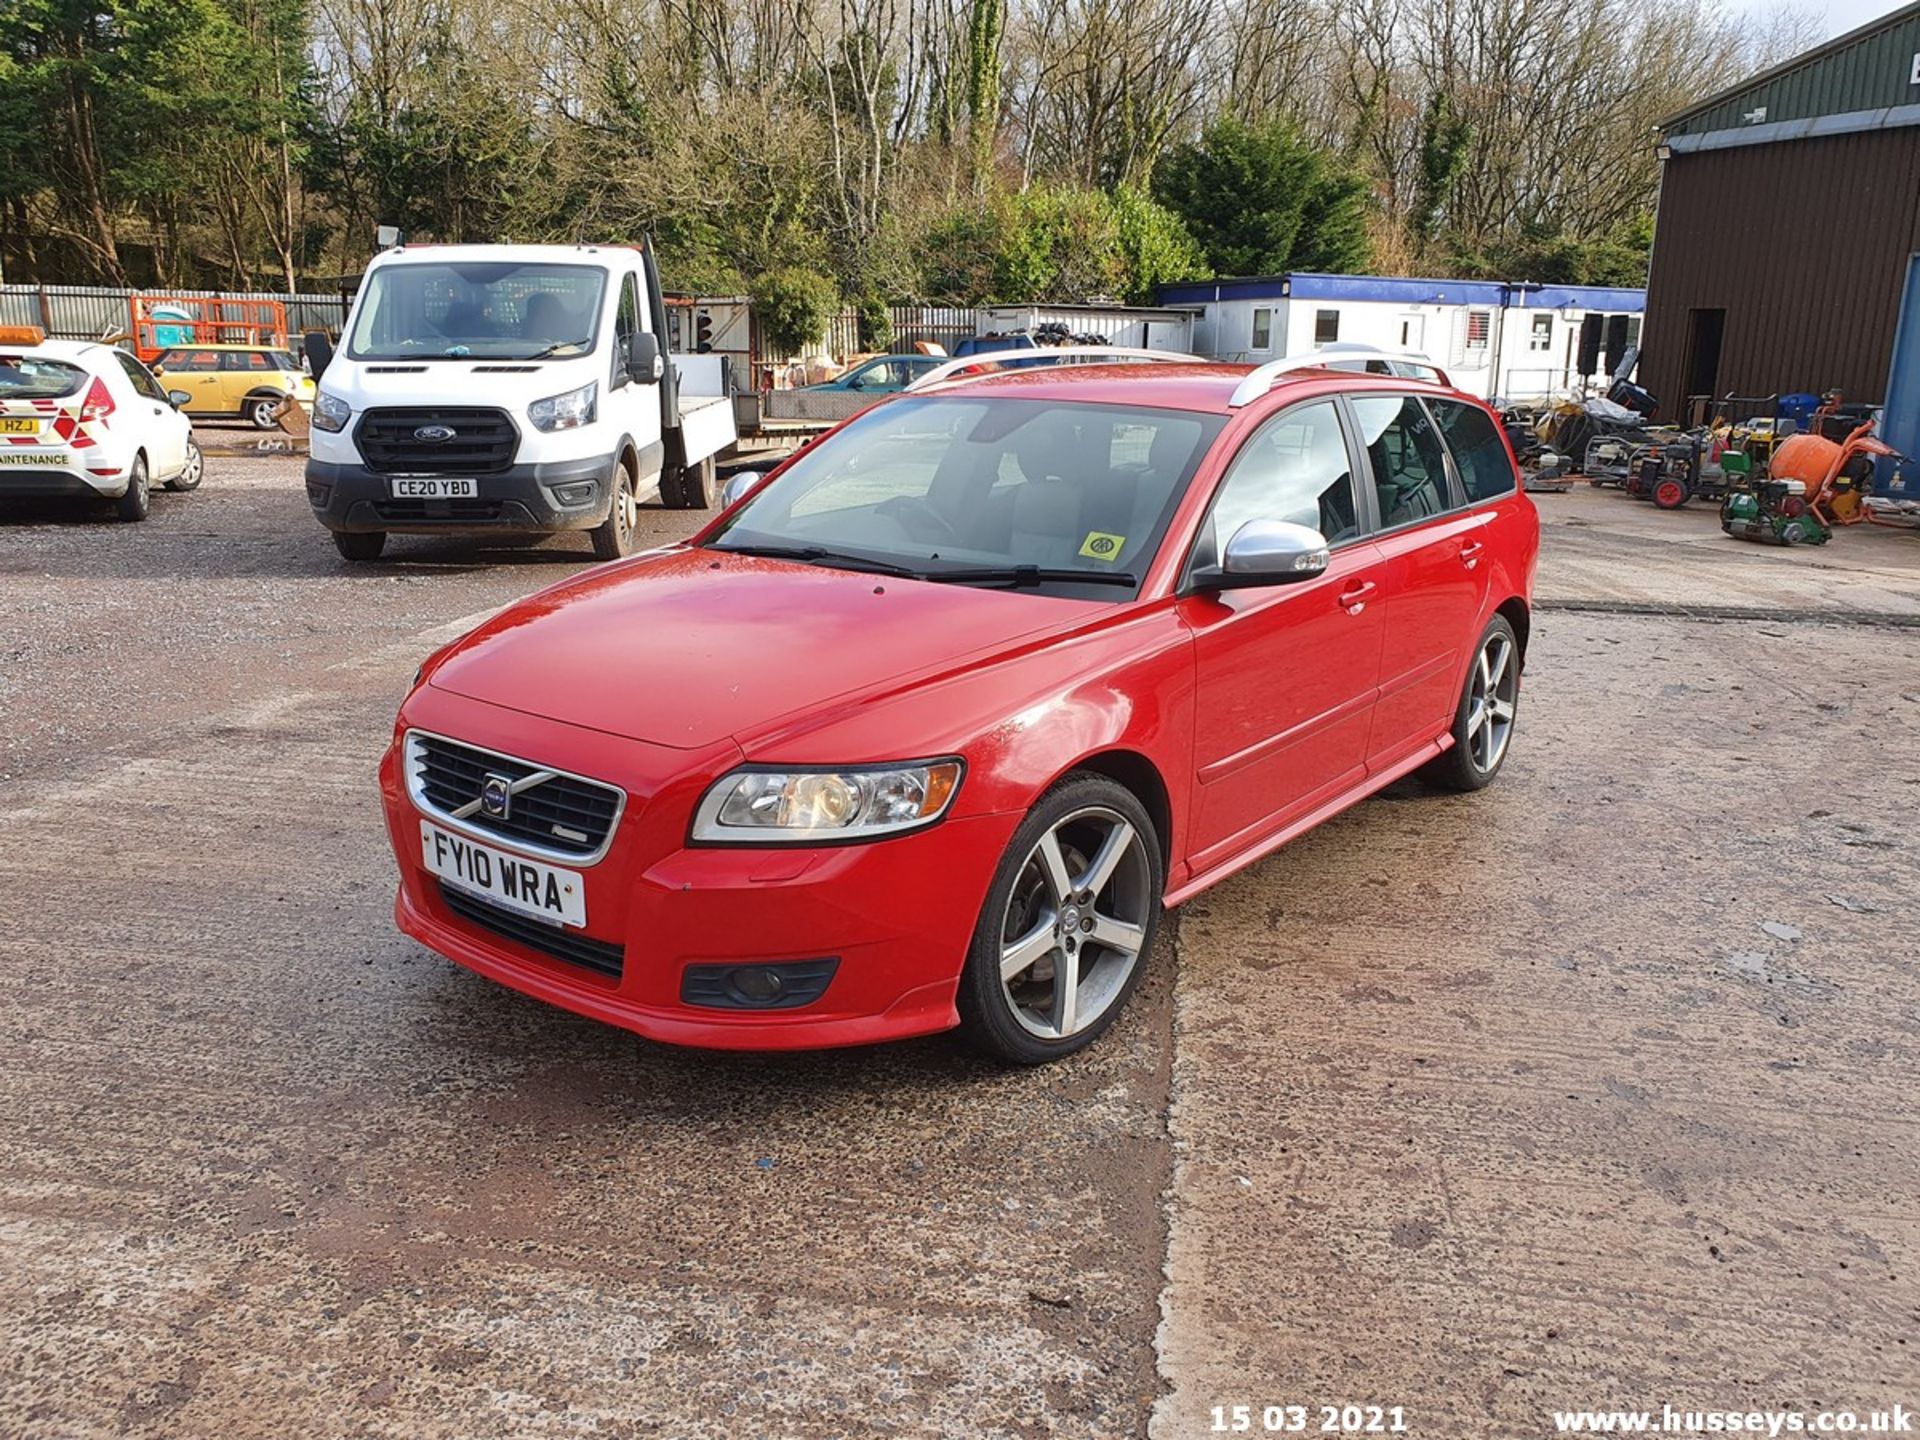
(1045,354)
(1342,356)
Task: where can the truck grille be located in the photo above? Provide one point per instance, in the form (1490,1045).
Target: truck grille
(596,955)
(562,816)
(483,441)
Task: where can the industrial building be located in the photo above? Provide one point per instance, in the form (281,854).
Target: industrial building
(1789,224)
(1495,337)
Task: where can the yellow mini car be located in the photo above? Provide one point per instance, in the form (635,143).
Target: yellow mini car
(245,382)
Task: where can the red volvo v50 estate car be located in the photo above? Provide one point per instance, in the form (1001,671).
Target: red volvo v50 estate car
(929,727)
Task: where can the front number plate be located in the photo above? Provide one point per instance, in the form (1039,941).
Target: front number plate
(545,892)
(408,487)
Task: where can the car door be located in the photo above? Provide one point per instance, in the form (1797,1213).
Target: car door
(1433,586)
(161,430)
(1285,674)
(158,427)
(199,376)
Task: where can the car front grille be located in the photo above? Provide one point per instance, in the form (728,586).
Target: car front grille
(563,816)
(599,956)
(482,441)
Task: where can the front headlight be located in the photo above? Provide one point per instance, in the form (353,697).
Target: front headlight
(797,807)
(565,412)
(330,412)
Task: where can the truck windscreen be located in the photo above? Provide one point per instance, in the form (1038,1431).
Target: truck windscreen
(427,310)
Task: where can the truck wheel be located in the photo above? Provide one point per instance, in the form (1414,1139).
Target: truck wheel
(360,545)
(613,537)
(138,497)
(691,488)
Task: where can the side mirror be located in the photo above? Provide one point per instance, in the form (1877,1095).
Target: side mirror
(179,399)
(643,358)
(318,350)
(1267,552)
(737,486)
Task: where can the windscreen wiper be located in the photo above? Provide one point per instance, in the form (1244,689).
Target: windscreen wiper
(817,555)
(1022,576)
(556,347)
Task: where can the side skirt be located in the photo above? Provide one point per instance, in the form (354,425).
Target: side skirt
(1257,852)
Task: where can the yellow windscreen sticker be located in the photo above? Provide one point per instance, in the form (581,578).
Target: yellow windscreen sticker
(1101,546)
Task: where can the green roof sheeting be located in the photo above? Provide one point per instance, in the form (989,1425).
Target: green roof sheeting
(1866,70)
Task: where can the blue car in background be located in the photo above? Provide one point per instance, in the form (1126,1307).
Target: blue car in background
(882,375)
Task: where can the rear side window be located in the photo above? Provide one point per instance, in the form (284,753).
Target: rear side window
(1479,451)
(1408,461)
(22,377)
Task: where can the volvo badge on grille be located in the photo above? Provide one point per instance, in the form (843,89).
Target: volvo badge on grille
(496,797)
(435,434)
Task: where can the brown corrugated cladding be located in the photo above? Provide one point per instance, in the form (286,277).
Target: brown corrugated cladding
(1804,243)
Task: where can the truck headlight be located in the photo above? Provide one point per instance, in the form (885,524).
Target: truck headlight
(564,412)
(330,412)
(801,807)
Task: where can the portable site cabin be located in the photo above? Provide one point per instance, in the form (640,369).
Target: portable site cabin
(1494,337)
(1139,327)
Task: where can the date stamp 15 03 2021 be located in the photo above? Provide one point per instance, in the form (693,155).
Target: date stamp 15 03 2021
(1309,1419)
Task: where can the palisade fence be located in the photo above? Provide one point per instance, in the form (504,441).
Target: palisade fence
(93,312)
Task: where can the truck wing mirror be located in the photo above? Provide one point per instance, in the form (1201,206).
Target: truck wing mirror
(319,352)
(643,358)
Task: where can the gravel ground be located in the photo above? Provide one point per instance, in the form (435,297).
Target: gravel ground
(1589,1090)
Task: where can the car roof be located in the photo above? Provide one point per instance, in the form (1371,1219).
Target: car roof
(68,350)
(1206,386)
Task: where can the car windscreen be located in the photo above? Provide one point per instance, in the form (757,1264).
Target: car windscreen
(497,310)
(29,377)
(963,486)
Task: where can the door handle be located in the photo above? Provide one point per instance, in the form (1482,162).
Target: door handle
(1470,553)
(1354,597)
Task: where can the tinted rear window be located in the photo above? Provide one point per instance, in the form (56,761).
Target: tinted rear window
(1479,450)
(23,377)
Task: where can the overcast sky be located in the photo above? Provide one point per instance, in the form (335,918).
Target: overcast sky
(1836,17)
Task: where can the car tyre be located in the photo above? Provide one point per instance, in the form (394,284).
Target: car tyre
(1075,899)
(360,546)
(263,412)
(613,537)
(690,488)
(137,499)
(192,472)
(1484,720)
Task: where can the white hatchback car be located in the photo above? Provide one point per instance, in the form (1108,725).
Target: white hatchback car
(86,420)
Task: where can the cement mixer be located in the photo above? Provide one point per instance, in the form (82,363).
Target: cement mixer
(1812,485)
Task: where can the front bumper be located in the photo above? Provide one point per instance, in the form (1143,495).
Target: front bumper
(898,915)
(350,497)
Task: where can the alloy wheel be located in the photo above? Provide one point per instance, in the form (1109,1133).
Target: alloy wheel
(1490,704)
(1075,923)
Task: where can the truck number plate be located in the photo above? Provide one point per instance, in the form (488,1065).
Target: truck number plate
(422,487)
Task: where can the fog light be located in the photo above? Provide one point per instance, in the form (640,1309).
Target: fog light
(757,984)
(576,492)
(318,494)
(783,985)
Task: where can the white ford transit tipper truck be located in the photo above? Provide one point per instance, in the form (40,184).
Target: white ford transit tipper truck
(509,387)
